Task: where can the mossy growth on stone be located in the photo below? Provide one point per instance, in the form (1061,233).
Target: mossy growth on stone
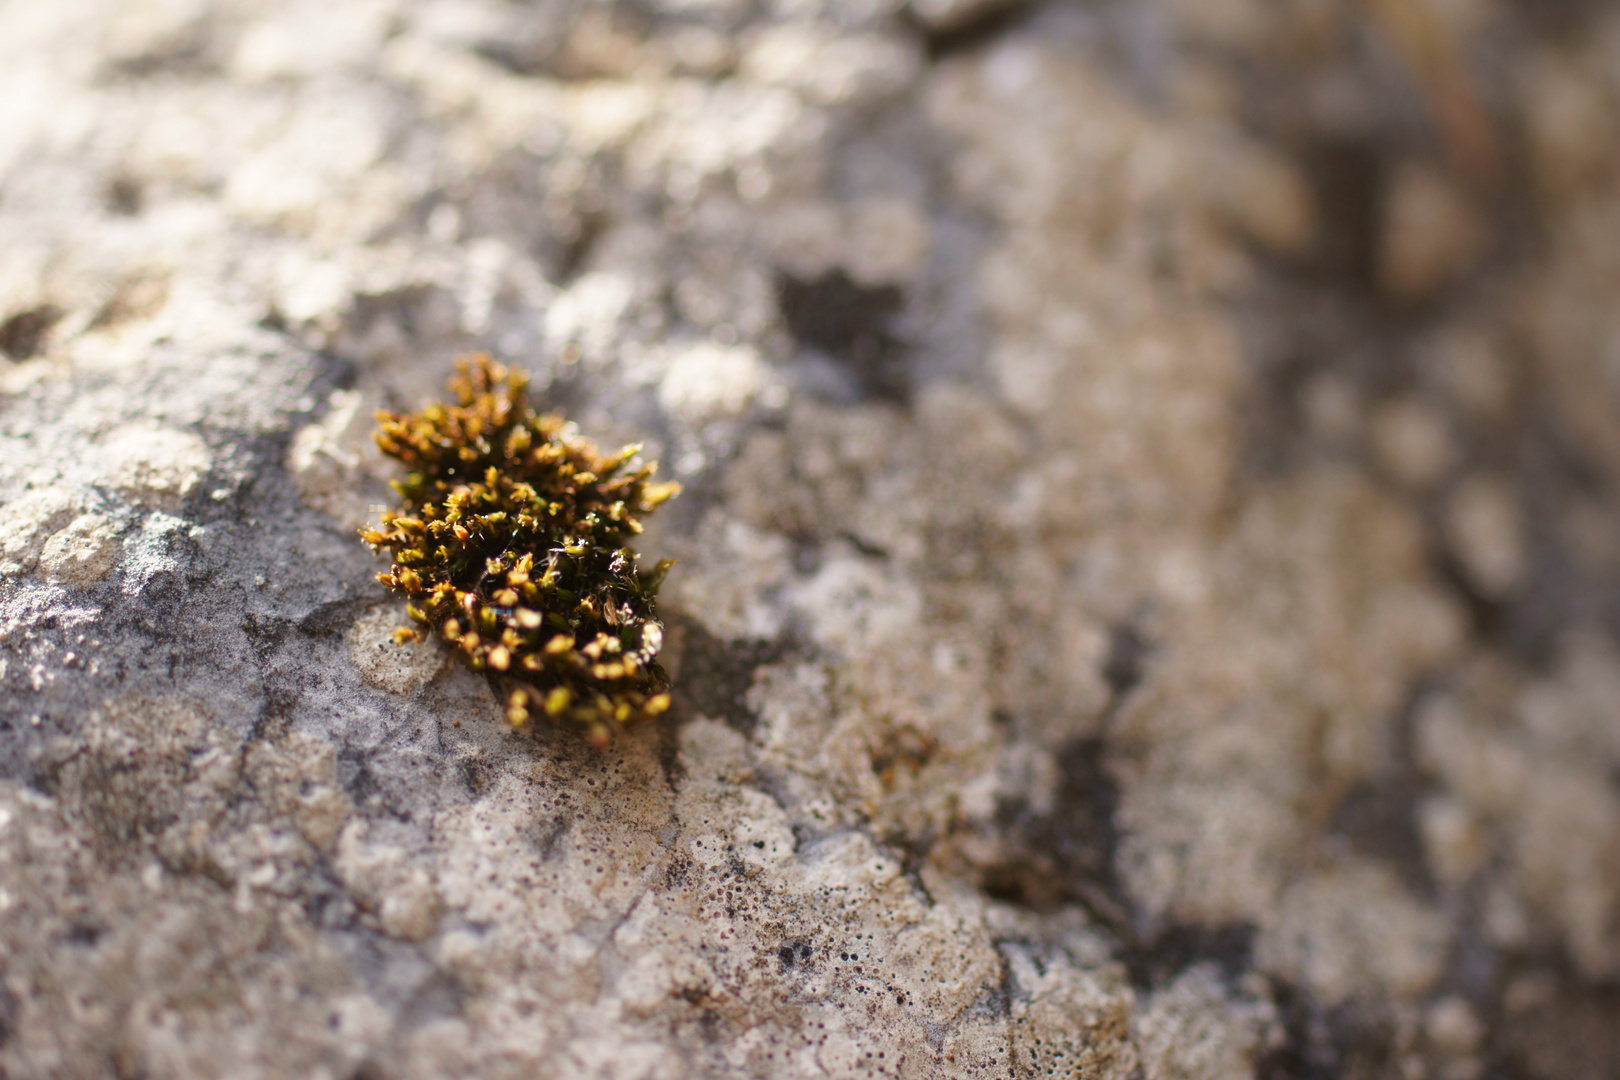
(510,545)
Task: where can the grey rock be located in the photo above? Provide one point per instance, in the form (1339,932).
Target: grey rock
(1057,692)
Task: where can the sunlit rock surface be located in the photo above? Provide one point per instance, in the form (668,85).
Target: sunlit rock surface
(1148,570)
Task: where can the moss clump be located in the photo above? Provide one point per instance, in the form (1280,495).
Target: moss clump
(510,545)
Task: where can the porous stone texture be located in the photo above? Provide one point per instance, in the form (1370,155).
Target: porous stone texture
(1147,578)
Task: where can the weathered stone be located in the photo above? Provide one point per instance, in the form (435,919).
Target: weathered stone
(1062,686)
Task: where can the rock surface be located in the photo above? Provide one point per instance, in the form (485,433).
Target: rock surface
(1147,585)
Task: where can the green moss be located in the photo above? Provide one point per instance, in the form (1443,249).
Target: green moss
(510,545)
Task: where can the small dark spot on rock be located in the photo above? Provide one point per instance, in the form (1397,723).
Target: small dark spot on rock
(1067,854)
(125,197)
(10,1007)
(22,334)
(1126,663)
(1324,1043)
(275,713)
(84,934)
(355,777)
(678,872)
(548,837)
(985,23)
(1349,180)
(474,773)
(574,246)
(1380,819)
(715,674)
(1159,960)
(794,954)
(850,324)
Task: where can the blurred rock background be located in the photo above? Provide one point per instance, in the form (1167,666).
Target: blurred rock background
(1149,569)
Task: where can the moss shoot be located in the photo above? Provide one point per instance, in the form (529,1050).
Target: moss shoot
(510,545)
